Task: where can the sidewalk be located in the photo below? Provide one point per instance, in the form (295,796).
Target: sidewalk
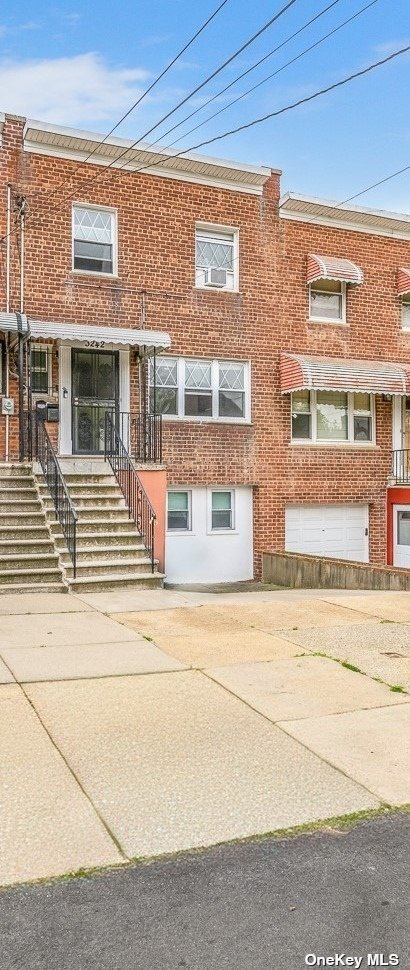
(140,723)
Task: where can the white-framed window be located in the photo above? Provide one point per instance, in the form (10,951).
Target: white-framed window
(405,311)
(94,240)
(216,258)
(179,510)
(41,368)
(222,511)
(199,389)
(327,301)
(325,417)
(2,364)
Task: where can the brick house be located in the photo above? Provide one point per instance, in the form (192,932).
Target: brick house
(163,301)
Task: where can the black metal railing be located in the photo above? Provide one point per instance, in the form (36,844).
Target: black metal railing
(401,465)
(143,435)
(63,505)
(139,505)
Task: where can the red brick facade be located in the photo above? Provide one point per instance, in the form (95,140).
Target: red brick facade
(155,289)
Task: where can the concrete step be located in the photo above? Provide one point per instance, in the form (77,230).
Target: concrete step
(110,567)
(107,513)
(26,547)
(12,576)
(106,540)
(17,561)
(92,488)
(11,533)
(17,488)
(33,505)
(26,520)
(98,501)
(14,470)
(146,580)
(118,552)
(105,525)
(33,588)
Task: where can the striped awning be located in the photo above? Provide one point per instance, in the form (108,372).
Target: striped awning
(299,372)
(333,268)
(88,334)
(403,281)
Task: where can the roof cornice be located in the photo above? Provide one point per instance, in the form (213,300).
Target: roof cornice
(321,212)
(72,143)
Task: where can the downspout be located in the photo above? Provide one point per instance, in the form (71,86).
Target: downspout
(8,267)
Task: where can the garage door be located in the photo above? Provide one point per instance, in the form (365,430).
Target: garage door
(338,531)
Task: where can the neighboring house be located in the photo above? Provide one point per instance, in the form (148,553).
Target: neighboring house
(269,337)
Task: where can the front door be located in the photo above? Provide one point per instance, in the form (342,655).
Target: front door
(401,535)
(94,392)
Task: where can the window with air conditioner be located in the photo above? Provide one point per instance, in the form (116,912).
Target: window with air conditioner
(94,240)
(216,258)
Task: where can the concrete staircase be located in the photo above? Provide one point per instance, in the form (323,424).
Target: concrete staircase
(29,561)
(110,551)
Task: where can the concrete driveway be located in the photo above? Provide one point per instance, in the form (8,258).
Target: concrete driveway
(134,724)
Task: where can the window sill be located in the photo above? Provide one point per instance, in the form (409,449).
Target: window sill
(216,289)
(94,274)
(346,445)
(169,418)
(328,323)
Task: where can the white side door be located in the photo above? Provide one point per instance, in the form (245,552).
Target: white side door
(401,535)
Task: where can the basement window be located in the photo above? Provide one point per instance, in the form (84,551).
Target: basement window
(94,240)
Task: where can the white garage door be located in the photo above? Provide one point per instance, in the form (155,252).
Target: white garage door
(338,531)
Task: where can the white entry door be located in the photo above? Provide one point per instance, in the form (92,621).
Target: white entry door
(401,535)
(337,531)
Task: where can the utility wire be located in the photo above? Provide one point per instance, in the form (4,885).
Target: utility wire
(296,104)
(270,76)
(245,73)
(147,91)
(375,184)
(206,81)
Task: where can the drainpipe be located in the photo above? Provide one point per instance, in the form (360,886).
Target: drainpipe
(8,267)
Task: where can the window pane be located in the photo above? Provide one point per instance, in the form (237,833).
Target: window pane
(405,314)
(166,373)
(177,520)
(326,305)
(214,251)
(361,403)
(39,382)
(331,416)
(93,257)
(177,501)
(301,426)
(165,400)
(198,374)
(39,359)
(301,402)
(198,405)
(221,501)
(403,528)
(95,225)
(231,404)
(362,428)
(232,377)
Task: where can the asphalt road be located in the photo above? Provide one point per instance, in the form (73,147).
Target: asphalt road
(259,906)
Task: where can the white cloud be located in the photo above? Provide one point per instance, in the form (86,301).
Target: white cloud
(76,90)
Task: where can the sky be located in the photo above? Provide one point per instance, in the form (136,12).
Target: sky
(83,65)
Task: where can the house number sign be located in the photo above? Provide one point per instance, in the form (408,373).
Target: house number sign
(94,343)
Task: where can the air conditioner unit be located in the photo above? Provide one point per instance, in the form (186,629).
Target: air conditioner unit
(215,277)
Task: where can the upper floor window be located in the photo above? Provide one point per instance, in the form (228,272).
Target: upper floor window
(405,311)
(200,389)
(216,258)
(94,240)
(327,301)
(332,416)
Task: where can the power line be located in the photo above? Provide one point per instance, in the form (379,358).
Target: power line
(148,90)
(206,81)
(270,76)
(296,104)
(375,184)
(245,73)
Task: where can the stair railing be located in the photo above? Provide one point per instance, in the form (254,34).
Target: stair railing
(56,485)
(139,505)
